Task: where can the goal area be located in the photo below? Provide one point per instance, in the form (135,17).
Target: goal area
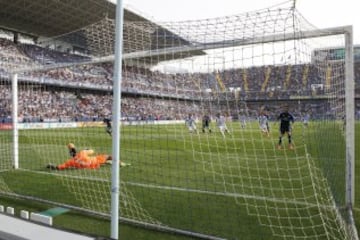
(202,108)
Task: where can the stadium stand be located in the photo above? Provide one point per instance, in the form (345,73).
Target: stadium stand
(68,104)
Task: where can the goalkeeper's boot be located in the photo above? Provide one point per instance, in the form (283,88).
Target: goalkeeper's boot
(51,167)
(109,160)
(279,147)
(291,146)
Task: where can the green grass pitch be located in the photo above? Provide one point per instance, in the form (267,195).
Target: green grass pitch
(199,182)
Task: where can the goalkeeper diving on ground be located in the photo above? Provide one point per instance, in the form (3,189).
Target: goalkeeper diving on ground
(84,159)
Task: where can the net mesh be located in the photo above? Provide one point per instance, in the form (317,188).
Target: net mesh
(200,135)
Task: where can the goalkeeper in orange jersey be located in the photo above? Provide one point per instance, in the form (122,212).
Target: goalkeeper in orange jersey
(83,159)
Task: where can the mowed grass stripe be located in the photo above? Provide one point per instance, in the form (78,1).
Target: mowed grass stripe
(171,157)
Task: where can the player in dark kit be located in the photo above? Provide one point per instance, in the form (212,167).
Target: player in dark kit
(286,119)
(108,128)
(206,123)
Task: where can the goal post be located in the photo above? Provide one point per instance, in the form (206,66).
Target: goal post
(115,179)
(350,117)
(350,129)
(14,91)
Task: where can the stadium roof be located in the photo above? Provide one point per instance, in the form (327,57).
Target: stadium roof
(53,18)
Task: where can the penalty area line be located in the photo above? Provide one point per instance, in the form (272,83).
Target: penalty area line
(225,194)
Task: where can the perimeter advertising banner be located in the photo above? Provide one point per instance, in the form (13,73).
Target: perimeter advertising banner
(5,126)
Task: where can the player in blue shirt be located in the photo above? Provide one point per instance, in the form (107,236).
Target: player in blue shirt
(306,119)
(191,124)
(264,124)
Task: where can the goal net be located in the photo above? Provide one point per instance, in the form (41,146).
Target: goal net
(204,146)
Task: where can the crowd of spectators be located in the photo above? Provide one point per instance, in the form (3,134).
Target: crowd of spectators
(57,105)
(155,95)
(11,57)
(64,106)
